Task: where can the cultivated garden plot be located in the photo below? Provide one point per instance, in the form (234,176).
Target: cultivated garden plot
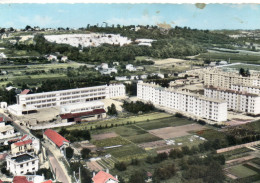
(179,131)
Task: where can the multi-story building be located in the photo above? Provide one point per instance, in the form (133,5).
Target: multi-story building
(193,104)
(22,163)
(7,131)
(27,103)
(236,100)
(218,78)
(246,88)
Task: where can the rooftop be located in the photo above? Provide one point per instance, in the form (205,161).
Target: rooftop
(22,143)
(24,92)
(21,179)
(81,105)
(23,157)
(6,128)
(78,115)
(232,91)
(103,177)
(55,137)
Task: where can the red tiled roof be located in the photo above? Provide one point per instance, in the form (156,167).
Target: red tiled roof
(1,119)
(26,91)
(1,181)
(21,179)
(55,137)
(48,181)
(78,115)
(23,137)
(13,140)
(103,177)
(22,143)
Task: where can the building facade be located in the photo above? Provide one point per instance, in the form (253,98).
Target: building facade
(246,88)
(197,105)
(32,102)
(218,78)
(236,100)
(22,163)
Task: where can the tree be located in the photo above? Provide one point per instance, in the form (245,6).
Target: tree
(137,177)
(85,153)
(121,166)
(112,110)
(69,152)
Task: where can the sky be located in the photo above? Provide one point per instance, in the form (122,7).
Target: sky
(212,16)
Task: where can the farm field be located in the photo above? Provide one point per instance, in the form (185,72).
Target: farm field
(245,66)
(234,57)
(241,171)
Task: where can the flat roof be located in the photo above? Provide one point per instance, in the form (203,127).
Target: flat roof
(23,157)
(6,128)
(67,90)
(81,105)
(17,107)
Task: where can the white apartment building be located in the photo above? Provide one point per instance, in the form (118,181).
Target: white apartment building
(218,78)
(247,89)
(182,101)
(22,163)
(236,100)
(32,102)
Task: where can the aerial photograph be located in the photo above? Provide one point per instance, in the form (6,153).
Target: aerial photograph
(129,93)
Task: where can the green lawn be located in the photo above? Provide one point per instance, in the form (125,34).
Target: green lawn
(211,134)
(142,138)
(234,57)
(245,66)
(127,152)
(237,153)
(110,142)
(241,171)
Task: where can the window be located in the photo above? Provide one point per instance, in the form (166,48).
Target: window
(21,166)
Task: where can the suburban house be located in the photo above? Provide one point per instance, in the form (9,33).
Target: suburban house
(25,144)
(52,58)
(56,139)
(22,164)
(130,67)
(7,131)
(64,59)
(104,177)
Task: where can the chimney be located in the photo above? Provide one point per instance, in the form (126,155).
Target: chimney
(94,173)
(107,170)
(116,177)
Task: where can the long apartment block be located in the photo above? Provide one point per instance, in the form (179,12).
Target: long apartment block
(240,101)
(71,96)
(246,88)
(218,78)
(198,105)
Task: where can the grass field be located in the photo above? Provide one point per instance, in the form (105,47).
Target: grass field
(245,66)
(140,118)
(110,142)
(241,171)
(164,122)
(146,137)
(234,57)
(211,134)
(237,153)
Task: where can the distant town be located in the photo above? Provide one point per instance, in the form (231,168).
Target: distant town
(129,104)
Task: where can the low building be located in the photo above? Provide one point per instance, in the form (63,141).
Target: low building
(104,177)
(7,131)
(29,103)
(121,78)
(223,62)
(52,58)
(22,164)
(25,144)
(56,139)
(130,67)
(30,179)
(64,59)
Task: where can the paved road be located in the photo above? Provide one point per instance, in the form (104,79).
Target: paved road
(60,175)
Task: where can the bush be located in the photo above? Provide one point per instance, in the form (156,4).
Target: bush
(69,152)
(85,153)
(121,166)
(179,115)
